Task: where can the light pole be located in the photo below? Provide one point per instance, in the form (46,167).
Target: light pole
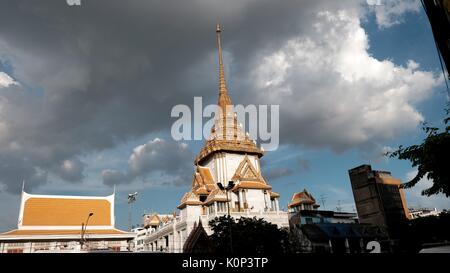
(131,199)
(227,188)
(83,229)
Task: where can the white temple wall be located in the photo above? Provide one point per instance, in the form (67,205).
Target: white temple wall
(192,213)
(232,163)
(224,165)
(255,199)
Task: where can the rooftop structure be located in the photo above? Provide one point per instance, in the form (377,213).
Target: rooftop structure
(50,222)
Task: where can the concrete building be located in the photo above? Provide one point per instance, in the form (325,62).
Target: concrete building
(379,199)
(303,209)
(423,212)
(324,231)
(228,155)
(342,238)
(59,223)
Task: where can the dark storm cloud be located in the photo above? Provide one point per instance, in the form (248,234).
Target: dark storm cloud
(276,173)
(71,170)
(96,75)
(114,177)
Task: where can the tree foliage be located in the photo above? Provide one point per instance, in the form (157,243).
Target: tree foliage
(432,159)
(249,235)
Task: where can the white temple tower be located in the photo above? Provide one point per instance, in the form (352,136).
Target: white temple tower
(228,155)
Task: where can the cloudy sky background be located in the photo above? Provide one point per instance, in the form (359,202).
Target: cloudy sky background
(86,93)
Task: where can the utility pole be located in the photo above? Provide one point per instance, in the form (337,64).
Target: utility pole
(227,189)
(323,198)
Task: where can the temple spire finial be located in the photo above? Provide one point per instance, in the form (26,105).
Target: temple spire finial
(224,98)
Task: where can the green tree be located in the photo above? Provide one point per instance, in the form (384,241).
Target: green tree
(432,159)
(249,235)
(425,230)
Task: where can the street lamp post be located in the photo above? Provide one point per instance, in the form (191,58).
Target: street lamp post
(83,230)
(228,188)
(131,199)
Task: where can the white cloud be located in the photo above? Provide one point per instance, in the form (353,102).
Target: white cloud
(158,157)
(333,93)
(6,80)
(390,12)
(416,199)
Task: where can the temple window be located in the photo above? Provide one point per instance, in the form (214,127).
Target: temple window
(221,206)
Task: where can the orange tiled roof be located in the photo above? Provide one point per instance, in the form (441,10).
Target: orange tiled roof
(274,194)
(201,190)
(303,197)
(42,211)
(154,220)
(252,185)
(216,195)
(241,146)
(203,182)
(206,175)
(191,203)
(189,198)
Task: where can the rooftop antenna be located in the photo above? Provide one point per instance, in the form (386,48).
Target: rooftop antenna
(23,185)
(323,198)
(339,208)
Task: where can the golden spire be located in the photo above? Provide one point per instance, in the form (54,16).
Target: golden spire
(224,98)
(226,134)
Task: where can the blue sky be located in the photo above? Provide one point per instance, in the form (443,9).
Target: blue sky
(118,95)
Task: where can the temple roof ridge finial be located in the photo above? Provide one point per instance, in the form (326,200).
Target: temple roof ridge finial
(224,98)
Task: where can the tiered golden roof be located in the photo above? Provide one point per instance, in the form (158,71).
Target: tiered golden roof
(189,198)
